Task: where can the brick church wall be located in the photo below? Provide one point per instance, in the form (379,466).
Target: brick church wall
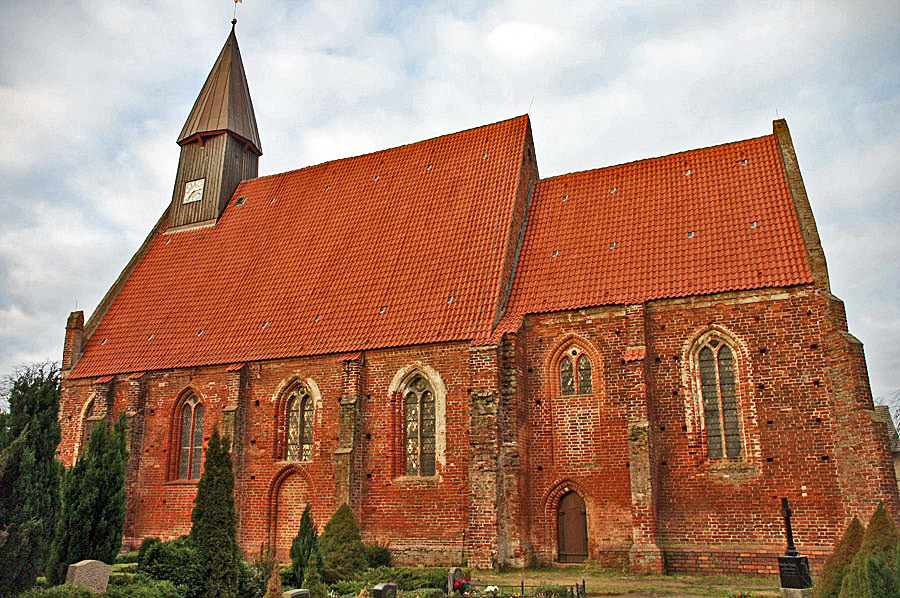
(513,446)
(798,398)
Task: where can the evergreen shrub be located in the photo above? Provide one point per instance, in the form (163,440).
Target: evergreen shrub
(29,476)
(214,529)
(144,587)
(305,544)
(551,591)
(377,555)
(177,561)
(343,553)
(313,578)
(64,591)
(144,549)
(837,563)
(873,578)
(406,578)
(92,510)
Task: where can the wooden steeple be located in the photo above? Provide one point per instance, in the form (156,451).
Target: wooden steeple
(219,143)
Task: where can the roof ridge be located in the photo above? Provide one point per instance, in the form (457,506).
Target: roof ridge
(642,160)
(388,149)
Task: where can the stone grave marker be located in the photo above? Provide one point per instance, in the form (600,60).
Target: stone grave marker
(300,593)
(385,590)
(793,569)
(454,575)
(90,575)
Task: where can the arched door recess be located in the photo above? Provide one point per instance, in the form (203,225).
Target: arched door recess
(572,529)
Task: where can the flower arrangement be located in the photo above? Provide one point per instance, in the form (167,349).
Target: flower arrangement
(461,585)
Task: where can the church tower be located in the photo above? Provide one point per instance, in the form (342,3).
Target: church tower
(219,143)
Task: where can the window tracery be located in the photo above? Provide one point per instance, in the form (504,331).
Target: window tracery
(190,457)
(575,373)
(299,445)
(419,417)
(718,390)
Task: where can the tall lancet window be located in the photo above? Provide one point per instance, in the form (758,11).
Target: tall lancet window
(420,415)
(300,426)
(720,408)
(191,450)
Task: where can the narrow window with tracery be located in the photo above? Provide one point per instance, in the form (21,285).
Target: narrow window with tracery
(566,377)
(575,373)
(300,426)
(191,449)
(584,375)
(720,408)
(419,410)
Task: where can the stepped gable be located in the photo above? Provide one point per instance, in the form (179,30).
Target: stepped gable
(353,254)
(693,223)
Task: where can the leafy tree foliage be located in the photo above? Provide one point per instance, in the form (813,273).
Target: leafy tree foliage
(92,513)
(29,475)
(305,544)
(214,529)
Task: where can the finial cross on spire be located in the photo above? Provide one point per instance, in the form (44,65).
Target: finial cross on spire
(234,15)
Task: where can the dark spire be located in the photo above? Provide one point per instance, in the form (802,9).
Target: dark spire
(224,102)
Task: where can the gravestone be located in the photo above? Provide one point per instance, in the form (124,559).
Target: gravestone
(296,594)
(793,569)
(90,575)
(385,590)
(454,575)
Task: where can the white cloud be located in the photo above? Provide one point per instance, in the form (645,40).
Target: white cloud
(95,94)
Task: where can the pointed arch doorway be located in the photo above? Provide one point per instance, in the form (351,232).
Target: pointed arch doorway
(572,529)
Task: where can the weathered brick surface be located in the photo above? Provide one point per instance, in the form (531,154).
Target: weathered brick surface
(510,445)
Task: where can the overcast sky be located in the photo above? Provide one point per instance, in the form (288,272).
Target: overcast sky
(93,94)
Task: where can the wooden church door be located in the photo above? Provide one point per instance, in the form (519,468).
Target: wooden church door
(572,529)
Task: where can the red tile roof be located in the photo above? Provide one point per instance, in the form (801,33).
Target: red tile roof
(405,246)
(399,247)
(698,222)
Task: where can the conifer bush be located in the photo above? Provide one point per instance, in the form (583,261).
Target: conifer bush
(29,476)
(837,563)
(92,509)
(214,529)
(343,553)
(177,561)
(873,577)
(873,570)
(305,544)
(313,578)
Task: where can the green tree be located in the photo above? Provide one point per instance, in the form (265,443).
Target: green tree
(837,563)
(214,529)
(92,513)
(29,475)
(305,544)
(343,553)
(871,569)
(873,578)
(313,578)
(881,535)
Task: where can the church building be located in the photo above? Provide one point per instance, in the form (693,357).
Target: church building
(631,365)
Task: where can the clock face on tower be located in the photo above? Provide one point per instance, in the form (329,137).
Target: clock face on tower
(193,191)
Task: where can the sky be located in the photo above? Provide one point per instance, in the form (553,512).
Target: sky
(93,94)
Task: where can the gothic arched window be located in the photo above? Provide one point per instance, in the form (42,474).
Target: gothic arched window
(575,373)
(715,362)
(418,404)
(190,456)
(299,443)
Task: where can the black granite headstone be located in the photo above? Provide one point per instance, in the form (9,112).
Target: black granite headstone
(385,590)
(794,572)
